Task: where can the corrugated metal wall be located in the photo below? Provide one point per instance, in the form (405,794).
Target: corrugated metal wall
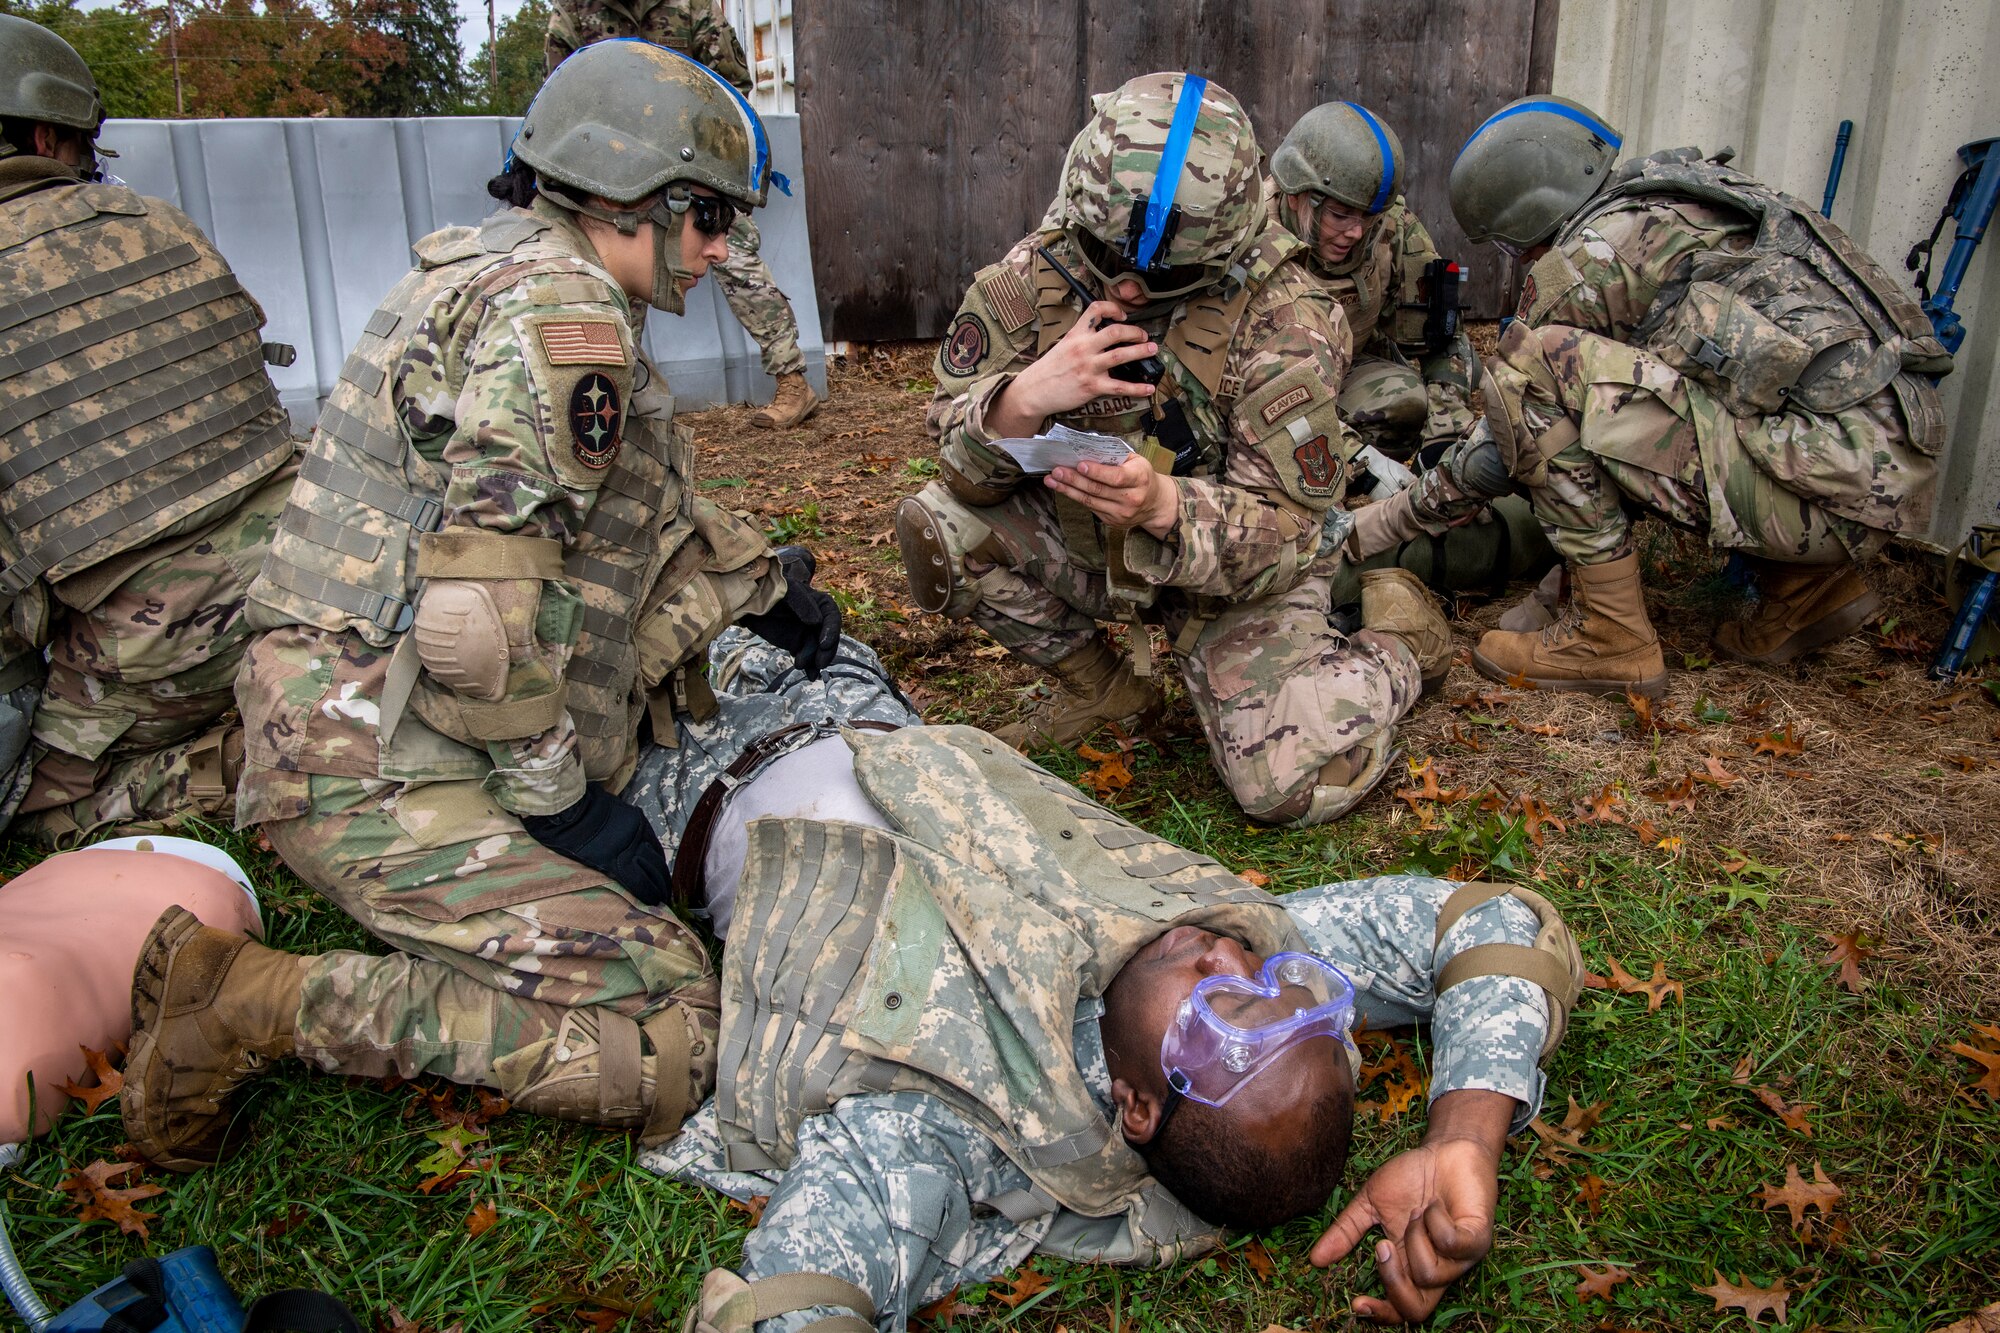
(317,218)
(1775,78)
(935,129)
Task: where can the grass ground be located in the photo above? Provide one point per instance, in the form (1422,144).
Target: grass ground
(1731,877)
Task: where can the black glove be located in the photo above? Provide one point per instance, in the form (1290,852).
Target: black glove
(610,837)
(807,623)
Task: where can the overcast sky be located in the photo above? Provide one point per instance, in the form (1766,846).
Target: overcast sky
(472,21)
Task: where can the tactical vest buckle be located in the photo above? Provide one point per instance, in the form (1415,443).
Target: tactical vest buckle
(1708,356)
(430,514)
(391,613)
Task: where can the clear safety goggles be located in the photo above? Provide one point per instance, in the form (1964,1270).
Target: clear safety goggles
(1230,1029)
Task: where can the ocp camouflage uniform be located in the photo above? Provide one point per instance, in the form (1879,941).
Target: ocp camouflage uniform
(1601,416)
(497,423)
(947,1153)
(698,29)
(1242,582)
(1398,395)
(145,458)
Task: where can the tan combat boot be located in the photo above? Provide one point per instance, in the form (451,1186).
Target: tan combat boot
(210,1010)
(795,401)
(1801,609)
(1396,602)
(1098,689)
(1604,646)
(1538,609)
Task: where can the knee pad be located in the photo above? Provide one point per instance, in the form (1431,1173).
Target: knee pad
(1325,800)
(936,532)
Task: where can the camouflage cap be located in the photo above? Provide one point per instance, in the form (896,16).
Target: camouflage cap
(1533,163)
(1182,225)
(623,119)
(42,78)
(1343,151)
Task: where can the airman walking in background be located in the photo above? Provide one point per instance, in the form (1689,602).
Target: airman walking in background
(698,29)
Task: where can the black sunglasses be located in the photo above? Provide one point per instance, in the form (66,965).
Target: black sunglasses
(713,215)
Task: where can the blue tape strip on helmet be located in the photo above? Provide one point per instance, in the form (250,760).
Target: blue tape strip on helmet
(1167,184)
(1381,199)
(1595,126)
(742,103)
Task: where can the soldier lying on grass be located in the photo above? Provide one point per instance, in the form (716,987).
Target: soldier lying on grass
(952,1029)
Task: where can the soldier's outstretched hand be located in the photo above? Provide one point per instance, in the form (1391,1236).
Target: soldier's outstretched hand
(1435,1207)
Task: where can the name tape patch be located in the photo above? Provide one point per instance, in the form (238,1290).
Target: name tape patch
(1285,402)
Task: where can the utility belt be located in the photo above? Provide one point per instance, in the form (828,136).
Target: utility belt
(692,853)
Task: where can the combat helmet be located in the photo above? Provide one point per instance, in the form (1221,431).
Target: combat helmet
(1533,163)
(1340,151)
(1161,185)
(638,125)
(42,78)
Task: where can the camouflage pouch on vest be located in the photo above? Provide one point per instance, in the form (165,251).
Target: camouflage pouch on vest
(1720,340)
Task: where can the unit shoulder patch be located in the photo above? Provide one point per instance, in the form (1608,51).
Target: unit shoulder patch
(1551,278)
(966,344)
(581,342)
(596,421)
(1317,466)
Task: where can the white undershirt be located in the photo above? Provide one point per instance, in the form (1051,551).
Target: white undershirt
(815,781)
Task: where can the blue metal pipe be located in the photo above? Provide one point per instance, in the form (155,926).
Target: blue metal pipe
(1840,139)
(1974,212)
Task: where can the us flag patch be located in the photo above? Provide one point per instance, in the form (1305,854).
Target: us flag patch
(581,342)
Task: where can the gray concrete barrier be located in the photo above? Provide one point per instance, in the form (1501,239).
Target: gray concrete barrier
(317,217)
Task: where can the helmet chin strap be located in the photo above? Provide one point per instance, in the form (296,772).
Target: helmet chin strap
(668,212)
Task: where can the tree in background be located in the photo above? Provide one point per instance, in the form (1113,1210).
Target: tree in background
(428,79)
(283,58)
(520,61)
(121,46)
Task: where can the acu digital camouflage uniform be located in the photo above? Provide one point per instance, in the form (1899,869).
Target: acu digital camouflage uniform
(1242,582)
(497,394)
(1398,395)
(144,458)
(697,29)
(930,1147)
(1606,406)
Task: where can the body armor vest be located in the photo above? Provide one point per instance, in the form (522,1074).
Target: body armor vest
(1195,350)
(1801,316)
(950,958)
(344,555)
(133,399)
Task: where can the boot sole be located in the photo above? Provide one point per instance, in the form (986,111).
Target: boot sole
(762,422)
(1652,687)
(1827,629)
(149,988)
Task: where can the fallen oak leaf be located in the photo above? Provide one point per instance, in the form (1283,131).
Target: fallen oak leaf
(1111,774)
(1778,744)
(1018,1287)
(481,1219)
(1655,989)
(1260,1261)
(1979,1321)
(1797,1194)
(1642,712)
(753,1207)
(1793,1116)
(109,1082)
(1678,796)
(1591,1191)
(1714,774)
(1989,1083)
(1536,816)
(1647,831)
(1849,951)
(1544,729)
(1754,1302)
(942,1311)
(1253,876)
(1597,1284)
(101,1201)
(1519,681)
(1401,1096)
(1603,807)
